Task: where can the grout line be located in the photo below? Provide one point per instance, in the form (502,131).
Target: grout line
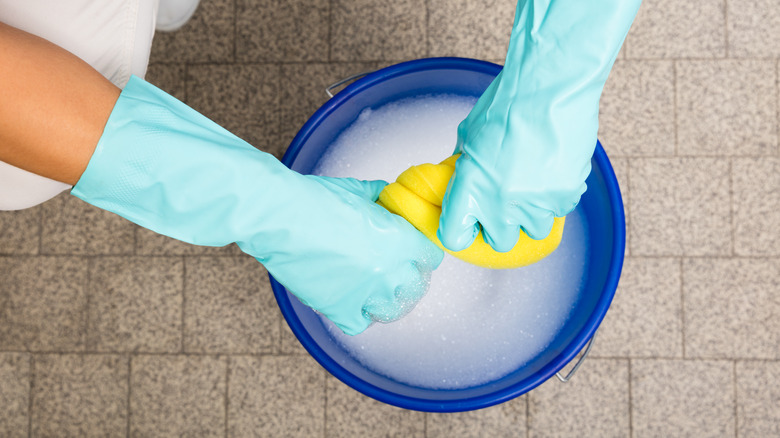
(183,300)
(527,398)
(630,402)
(675,110)
(736,404)
(732,220)
(325,410)
(129,391)
(427,29)
(330,31)
(777,105)
(227,393)
(30,399)
(726,28)
(87,304)
(235,31)
(682,306)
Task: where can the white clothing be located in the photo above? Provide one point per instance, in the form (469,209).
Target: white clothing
(113,36)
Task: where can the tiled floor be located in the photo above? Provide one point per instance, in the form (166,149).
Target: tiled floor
(107,329)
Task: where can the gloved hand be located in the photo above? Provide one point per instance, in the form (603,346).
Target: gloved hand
(165,167)
(527,144)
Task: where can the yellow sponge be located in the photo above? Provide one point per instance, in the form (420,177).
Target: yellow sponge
(417,196)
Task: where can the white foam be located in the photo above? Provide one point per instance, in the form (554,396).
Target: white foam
(475,325)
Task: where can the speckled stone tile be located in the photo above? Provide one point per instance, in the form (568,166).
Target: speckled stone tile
(282,30)
(682,398)
(505,420)
(645,318)
(679,206)
(753,28)
(288,343)
(276,396)
(350,413)
(229,306)
(73,227)
(670,29)
(177,396)
(593,403)
(302,91)
(470,29)
(758,398)
(726,107)
(620,166)
(377,30)
(79,395)
(731,308)
(209,36)
(14,394)
(135,304)
(150,243)
(169,78)
(244,99)
(20,231)
(756,204)
(43,303)
(637,109)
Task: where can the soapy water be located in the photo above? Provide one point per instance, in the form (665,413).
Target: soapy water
(475,325)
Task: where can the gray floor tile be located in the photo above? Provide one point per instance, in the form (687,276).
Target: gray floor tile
(282,30)
(505,420)
(208,37)
(14,394)
(670,29)
(169,78)
(302,91)
(376,30)
(679,206)
(645,318)
(150,243)
(43,303)
(177,396)
(229,307)
(753,28)
(637,109)
(288,343)
(731,308)
(350,413)
(593,403)
(682,398)
(276,396)
(73,227)
(726,107)
(758,399)
(20,231)
(135,304)
(79,395)
(470,29)
(244,99)
(756,204)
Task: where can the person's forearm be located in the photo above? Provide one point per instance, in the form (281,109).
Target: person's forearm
(53,106)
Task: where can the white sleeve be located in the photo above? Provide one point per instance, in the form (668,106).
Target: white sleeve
(113,36)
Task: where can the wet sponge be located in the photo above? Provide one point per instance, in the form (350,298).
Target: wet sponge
(417,195)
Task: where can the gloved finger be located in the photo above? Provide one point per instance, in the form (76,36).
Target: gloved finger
(457,225)
(353,326)
(365,189)
(539,226)
(501,238)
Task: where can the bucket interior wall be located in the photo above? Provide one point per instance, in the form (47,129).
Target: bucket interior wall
(597,204)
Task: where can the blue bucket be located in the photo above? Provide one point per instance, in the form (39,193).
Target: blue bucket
(601,205)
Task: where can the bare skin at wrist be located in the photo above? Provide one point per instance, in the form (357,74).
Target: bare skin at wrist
(53,106)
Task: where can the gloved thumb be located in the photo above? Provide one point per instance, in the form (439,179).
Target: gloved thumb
(369,190)
(457,226)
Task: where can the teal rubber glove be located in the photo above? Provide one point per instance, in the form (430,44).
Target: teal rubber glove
(167,168)
(527,144)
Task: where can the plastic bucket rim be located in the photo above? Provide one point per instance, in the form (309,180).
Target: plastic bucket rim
(501,395)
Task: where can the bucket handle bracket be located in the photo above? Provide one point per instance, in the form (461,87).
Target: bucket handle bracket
(329,89)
